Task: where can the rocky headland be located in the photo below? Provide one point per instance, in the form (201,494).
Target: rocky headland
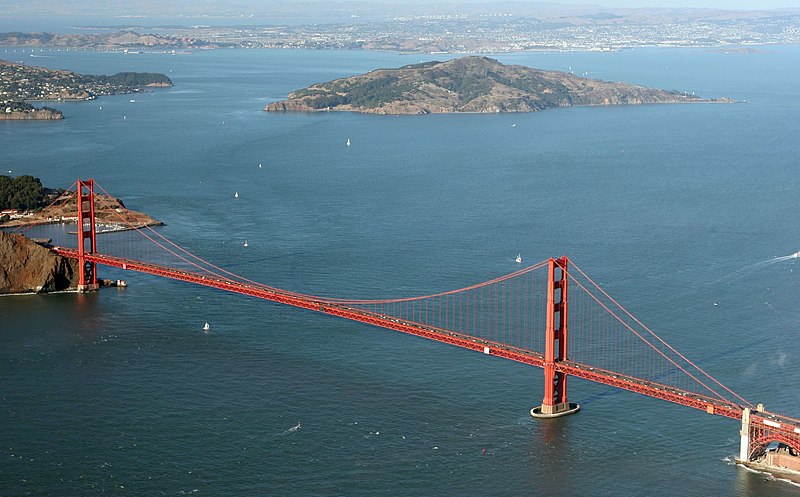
(23,200)
(468,84)
(23,111)
(27,267)
(110,215)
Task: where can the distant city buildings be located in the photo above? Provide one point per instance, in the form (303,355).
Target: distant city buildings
(476,33)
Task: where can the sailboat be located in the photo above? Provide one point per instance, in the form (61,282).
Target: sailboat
(206,327)
(348,142)
(519,258)
(236,195)
(259,165)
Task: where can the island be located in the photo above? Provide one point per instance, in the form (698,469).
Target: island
(21,84)
(468,84)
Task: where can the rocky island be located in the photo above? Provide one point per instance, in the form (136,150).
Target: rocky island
(468,84)
(20,84)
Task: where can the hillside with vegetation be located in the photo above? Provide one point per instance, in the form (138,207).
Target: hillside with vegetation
(468,84)
(26,197)
(23,193)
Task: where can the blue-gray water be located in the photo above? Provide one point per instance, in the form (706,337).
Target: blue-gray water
(672,208)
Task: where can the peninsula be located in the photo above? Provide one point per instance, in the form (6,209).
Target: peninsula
(468,84)
(23,197)
(30,266)
(20,84)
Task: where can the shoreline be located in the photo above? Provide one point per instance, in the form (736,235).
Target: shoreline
(782,474)
(23,294)
(721,100)
(12,224)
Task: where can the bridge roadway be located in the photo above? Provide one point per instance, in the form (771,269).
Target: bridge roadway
(789,428)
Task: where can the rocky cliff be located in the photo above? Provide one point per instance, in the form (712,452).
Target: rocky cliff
(468,84)
(27,267)
(31,115)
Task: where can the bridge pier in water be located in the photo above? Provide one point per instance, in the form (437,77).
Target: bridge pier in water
(87,276)
(555,402)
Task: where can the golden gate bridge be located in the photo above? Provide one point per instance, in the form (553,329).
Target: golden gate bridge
(551,315)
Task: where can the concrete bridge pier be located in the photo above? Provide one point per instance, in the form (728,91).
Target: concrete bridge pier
(744,443)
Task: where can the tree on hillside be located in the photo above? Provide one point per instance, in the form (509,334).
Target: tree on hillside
(22,192)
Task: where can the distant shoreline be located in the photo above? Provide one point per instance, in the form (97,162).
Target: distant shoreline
(721,100)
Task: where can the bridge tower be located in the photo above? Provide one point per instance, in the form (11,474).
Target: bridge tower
(87,277)
(555,401)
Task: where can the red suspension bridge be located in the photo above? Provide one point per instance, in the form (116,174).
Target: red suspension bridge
(549,315)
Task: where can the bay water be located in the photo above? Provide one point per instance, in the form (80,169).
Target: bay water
(685,213)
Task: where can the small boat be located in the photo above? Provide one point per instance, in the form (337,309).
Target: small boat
(259,164)
(348,142)
(236,195)
(245,243)
(133,100)
(206,327)
(519,258)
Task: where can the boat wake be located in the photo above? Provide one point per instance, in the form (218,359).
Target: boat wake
(293,429)
(795,255)
(742,271)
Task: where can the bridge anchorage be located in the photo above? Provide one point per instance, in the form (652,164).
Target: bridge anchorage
(505,317)
(770,442)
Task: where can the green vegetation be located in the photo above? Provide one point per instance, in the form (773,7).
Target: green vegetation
(369,94)
(133,79)
(378,91)
(22,193)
